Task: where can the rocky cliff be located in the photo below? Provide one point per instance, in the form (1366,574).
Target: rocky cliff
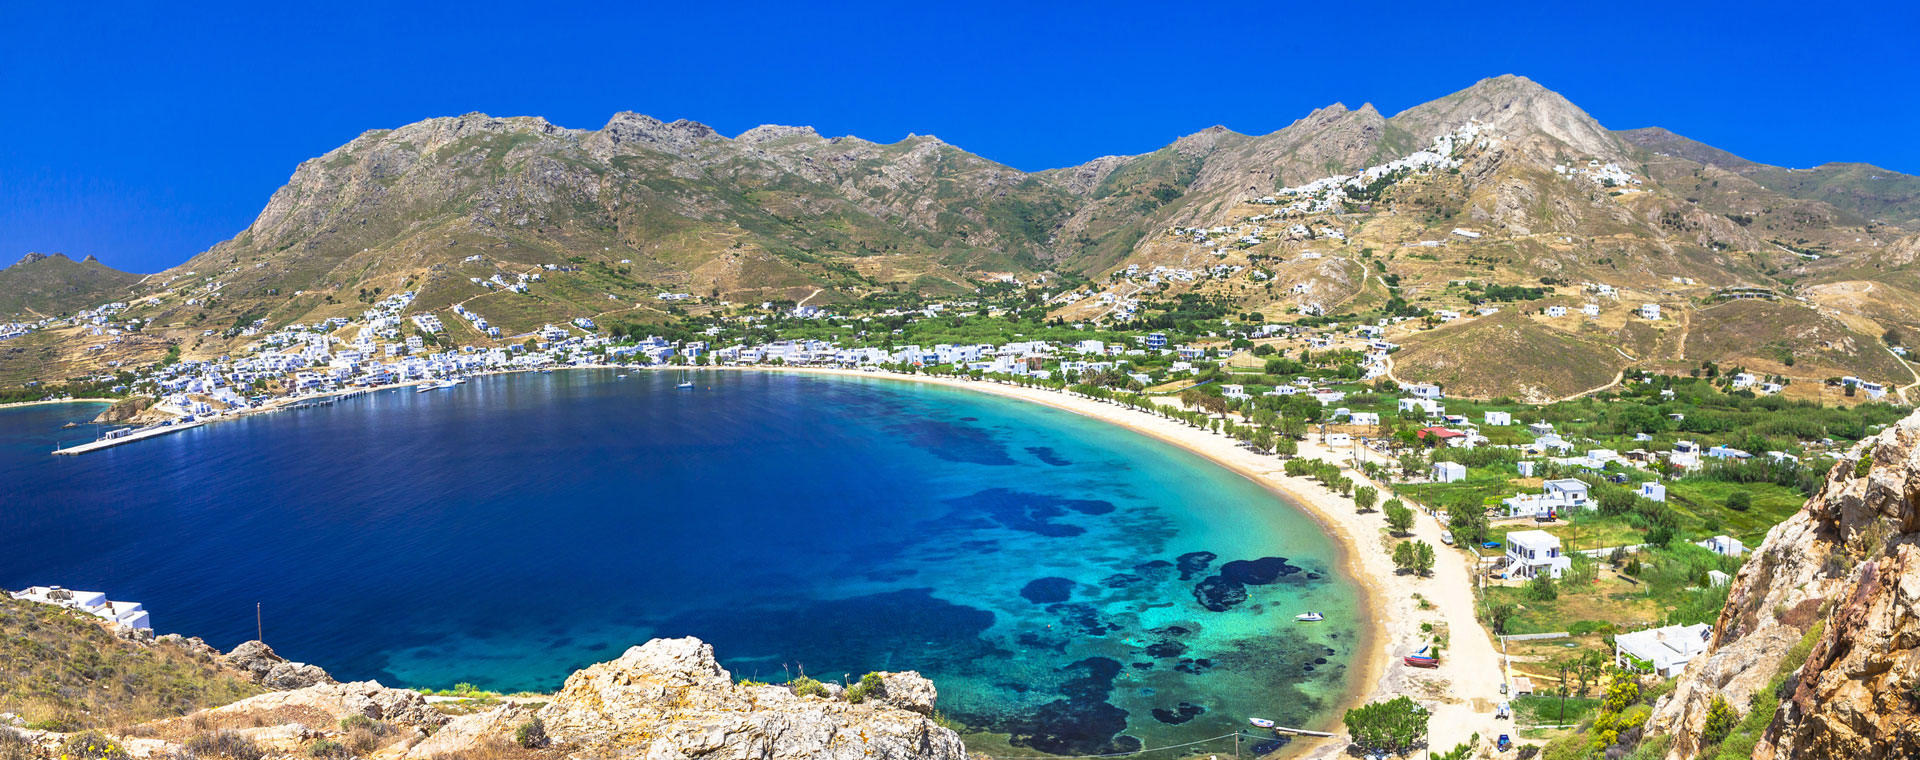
(1837,584)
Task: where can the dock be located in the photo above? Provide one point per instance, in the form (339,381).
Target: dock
(137,435)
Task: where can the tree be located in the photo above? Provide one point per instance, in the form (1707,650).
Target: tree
(1423,558)
(1499,614)
(1399,518)
(1403,556)
(1411,464)
(1541,588)
(1739,501)
(1365,496)
(1468,521)
(1396,725)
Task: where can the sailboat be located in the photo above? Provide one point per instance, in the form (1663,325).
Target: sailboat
(685,384)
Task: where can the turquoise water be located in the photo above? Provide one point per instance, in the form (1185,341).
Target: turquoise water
(1070,586)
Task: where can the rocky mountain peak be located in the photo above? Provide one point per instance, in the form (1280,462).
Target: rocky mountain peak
(1517,107)
(635,129)
(35,256)
(766,133)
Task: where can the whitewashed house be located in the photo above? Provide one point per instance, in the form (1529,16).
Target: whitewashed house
(1665,651)
(1653,491)
(1724,545)
(1532,552)
(1498,419)
(1449,472)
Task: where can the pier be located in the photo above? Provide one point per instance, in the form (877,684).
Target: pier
(137,435)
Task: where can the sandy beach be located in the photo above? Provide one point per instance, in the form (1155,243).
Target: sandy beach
(1462,693)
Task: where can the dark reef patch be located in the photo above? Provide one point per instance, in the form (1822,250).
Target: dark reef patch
(1047,590)
(954,443)
(1258,572)
(1030,512)
(1082,617)
(1218,594)
(1195,666)
(1045,454)
(1186,711)
(1166,649)
(1120,580)
(1082,723)
(1194,563)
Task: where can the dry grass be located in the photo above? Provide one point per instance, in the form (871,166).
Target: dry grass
(61,669)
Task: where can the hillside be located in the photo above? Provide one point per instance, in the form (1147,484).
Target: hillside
(66,671)
(1863,190)
(1344,212)
(52,285)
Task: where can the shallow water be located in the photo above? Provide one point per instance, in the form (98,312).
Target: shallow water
(1073,585)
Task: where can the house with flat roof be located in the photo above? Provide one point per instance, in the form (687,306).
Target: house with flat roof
(1449,472)
(1664,651)
(1532,552)
(1724,545)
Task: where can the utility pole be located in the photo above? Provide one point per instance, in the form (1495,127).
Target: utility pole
(258,630)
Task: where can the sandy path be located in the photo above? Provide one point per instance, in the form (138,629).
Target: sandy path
(1462,693)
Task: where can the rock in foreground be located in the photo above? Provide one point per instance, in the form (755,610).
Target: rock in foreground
(669,698)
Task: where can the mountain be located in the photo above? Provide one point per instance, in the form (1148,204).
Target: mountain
(52,284)
(1345,211)
(1863,190)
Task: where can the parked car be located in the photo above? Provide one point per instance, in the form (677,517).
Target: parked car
(1446,537)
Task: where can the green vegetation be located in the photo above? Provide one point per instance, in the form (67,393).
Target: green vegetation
(63,671)
(808,687)
(869,684)
(1396,725)
(532,734)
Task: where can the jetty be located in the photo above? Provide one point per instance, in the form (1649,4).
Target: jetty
(117,437)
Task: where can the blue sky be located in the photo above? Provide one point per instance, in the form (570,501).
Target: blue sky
(143,133)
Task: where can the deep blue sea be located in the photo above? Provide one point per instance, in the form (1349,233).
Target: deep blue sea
(1070,586)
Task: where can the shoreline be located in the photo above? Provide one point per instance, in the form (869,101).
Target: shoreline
(44,402)
(1393,618)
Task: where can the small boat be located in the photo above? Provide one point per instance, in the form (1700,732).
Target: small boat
(1260,722)
(685,384)
(1310,617)
(1421,659)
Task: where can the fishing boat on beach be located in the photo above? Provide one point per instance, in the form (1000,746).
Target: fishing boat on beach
(1421,659)
(1260,722)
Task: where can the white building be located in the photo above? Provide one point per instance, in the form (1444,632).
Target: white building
(1725,545)
(1449,472)
(94,603)
(1650,311)
(1653,491)
(1532,552)
(1366,418)
(1499,419)
(1665,651)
